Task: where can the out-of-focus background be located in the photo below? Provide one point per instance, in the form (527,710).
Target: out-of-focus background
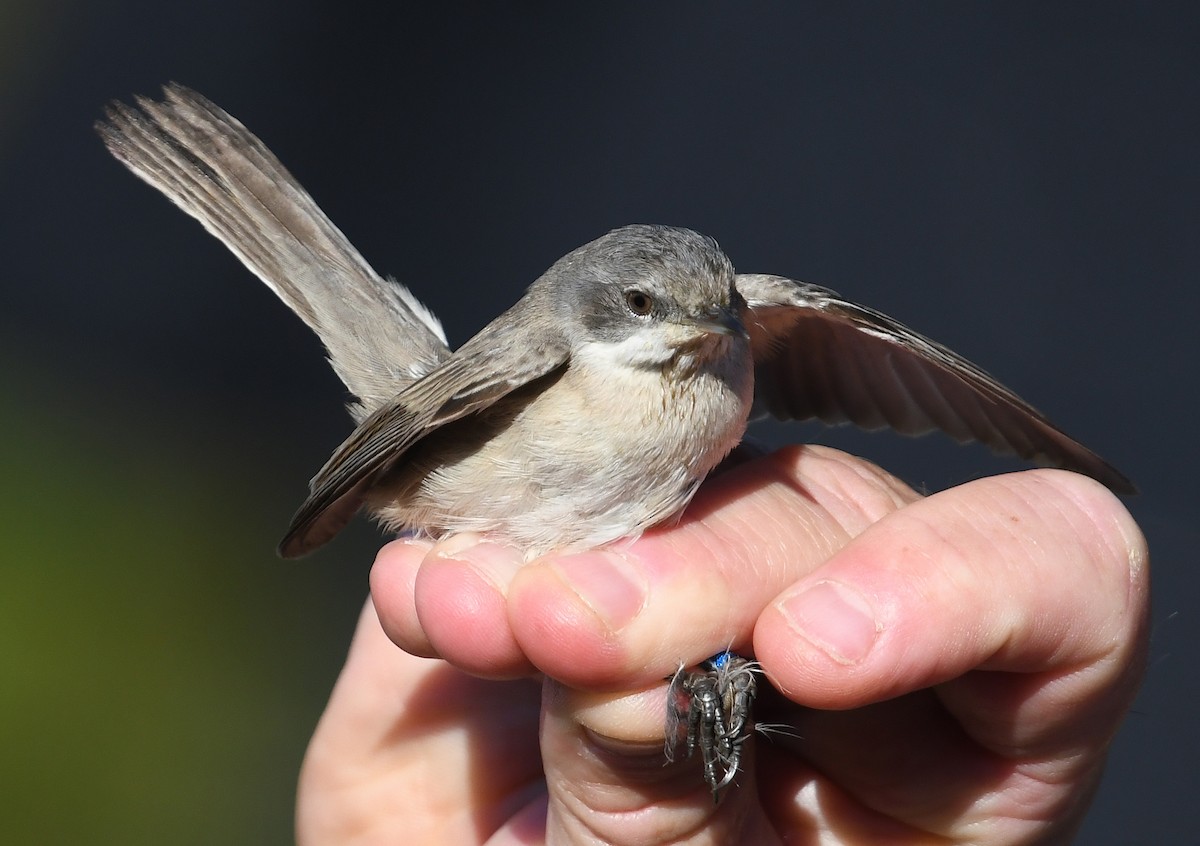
(1018,180)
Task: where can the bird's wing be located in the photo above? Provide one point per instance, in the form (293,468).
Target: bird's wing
(499,360)
(818,355)
(379,337)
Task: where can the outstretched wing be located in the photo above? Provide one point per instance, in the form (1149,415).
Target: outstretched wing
(503,357)
(378,336)
(818,355)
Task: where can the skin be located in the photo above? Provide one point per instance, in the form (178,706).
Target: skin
(952,670)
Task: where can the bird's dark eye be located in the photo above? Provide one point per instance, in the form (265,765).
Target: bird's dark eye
(639,302)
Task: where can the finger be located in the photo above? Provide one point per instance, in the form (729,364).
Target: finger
(806,806)
(461,603)
(411,750)
(607,783)
(908,761)
(449,600)
(1022,598)
(631,613)
(1025,573)
(393,593)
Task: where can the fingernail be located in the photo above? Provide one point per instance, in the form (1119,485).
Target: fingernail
(611,586)
(834,618)
(493,562)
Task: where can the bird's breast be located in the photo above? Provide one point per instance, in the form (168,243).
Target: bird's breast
(604,451)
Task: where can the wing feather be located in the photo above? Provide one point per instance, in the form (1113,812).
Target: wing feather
(819,355)
(500,359)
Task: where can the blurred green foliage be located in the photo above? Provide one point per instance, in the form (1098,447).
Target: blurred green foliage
(162,670)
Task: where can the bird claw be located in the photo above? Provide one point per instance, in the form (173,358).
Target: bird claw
(710,709)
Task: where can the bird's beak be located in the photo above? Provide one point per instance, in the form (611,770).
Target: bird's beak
(720,320)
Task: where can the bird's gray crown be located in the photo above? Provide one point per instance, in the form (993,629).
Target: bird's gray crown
(614,284)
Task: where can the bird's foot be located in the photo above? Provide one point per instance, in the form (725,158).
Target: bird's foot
(710,709)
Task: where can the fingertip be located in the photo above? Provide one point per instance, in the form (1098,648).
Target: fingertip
(461,603)
(1069,523)
(627,614)
(567,612)
(1115,556)
(393,588)
(1118,538)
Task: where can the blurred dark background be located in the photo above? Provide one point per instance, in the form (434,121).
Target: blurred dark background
(1018,180)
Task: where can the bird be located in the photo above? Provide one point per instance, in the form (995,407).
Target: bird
(594,407)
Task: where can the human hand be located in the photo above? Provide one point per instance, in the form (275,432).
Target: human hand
(953,669)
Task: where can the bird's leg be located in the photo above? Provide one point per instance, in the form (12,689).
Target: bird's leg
(710,709)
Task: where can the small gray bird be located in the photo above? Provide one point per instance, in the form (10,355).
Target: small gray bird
(593,408)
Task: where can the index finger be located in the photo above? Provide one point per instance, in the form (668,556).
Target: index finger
(622,616)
